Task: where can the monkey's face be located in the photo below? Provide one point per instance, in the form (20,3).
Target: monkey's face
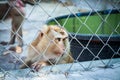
(58,46)
(55,42)
(58,38)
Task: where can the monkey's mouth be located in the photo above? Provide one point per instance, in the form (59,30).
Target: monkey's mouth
(58,53)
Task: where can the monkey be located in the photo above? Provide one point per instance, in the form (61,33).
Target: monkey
(17,19)
(14,9)
(51,47)
(16,13)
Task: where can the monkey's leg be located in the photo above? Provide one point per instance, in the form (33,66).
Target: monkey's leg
(19,36)
(17,19)
(12,40)
(17,22)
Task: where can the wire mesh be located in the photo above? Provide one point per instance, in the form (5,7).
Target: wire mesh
(93,28)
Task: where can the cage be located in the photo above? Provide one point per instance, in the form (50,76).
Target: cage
(94,36)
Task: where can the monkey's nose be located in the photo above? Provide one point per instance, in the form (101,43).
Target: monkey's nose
(63,49)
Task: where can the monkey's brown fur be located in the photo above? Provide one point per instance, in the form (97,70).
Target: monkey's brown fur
(52,43)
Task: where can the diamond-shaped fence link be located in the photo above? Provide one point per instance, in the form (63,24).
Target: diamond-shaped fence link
(94,35)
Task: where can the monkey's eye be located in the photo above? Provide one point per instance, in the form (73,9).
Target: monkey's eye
(58,39)
(65,38)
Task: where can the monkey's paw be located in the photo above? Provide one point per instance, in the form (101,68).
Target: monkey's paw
(38,65)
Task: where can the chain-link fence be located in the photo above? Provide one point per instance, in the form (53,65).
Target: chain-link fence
(94,35)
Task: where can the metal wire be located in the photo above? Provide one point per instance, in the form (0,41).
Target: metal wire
(104,20)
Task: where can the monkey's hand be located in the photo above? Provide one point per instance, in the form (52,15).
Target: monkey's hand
(38,65)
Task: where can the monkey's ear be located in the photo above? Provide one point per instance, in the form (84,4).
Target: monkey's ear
(45,29)
(41,34)
(37,40)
